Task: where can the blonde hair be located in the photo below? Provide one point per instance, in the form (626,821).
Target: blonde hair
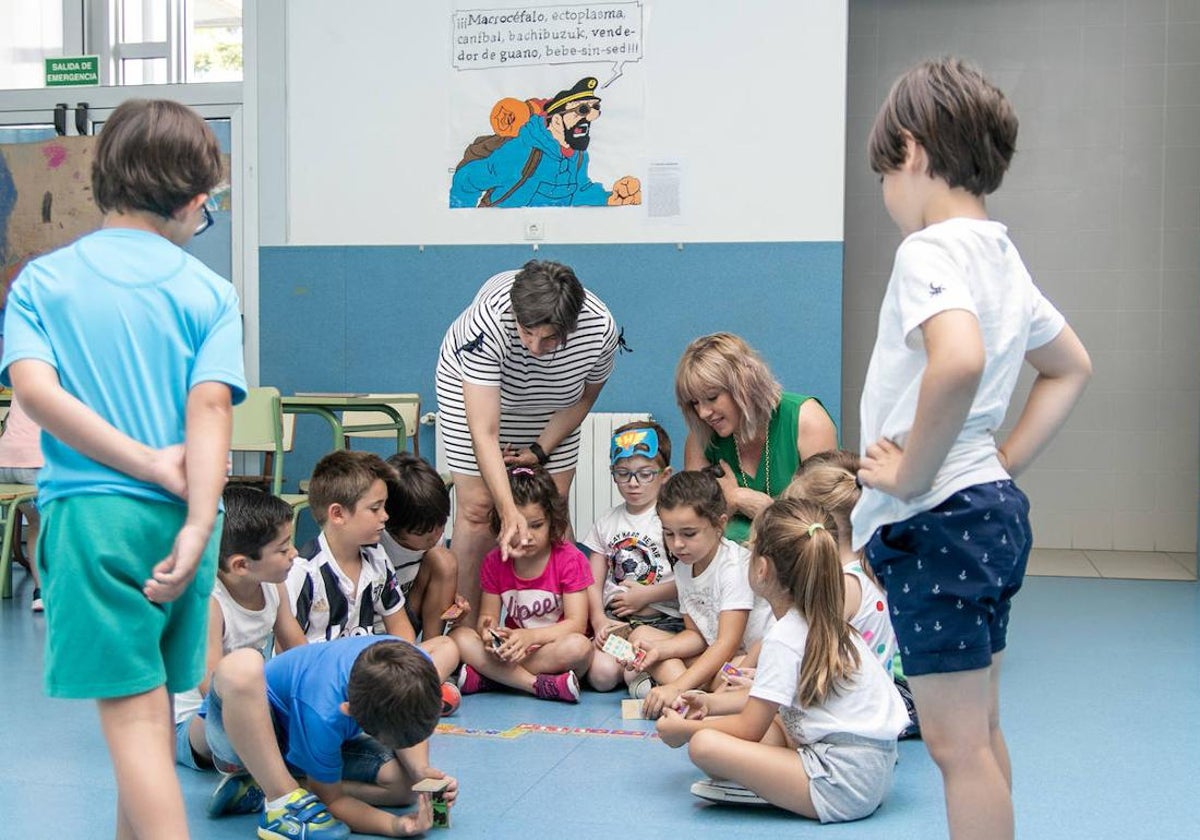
(830,480)
(798,540)
(724,362)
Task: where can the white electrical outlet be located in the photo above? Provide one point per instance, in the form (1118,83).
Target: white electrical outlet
(535,230)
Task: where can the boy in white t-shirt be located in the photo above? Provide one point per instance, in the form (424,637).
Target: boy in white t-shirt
(945,528)
(634,578)
(255,557)
(418,505)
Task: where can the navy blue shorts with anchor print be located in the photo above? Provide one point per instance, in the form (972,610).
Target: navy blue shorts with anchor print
(950,575)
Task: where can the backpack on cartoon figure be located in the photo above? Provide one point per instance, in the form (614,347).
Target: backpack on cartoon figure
(508,117)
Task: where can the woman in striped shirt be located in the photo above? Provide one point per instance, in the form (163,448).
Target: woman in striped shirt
(518,371)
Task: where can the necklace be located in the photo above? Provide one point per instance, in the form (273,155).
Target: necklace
(766,457)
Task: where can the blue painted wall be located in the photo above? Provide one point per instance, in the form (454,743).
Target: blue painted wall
(339,318)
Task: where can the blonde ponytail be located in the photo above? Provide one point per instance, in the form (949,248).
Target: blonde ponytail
(799,539)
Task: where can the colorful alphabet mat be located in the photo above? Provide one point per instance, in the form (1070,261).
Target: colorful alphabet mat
(541,729)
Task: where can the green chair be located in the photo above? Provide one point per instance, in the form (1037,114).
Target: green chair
(408,406)
(11,498)
(258,427)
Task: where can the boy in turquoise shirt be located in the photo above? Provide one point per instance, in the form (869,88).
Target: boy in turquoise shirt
(128,352)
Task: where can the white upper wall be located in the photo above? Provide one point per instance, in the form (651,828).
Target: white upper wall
(749,97)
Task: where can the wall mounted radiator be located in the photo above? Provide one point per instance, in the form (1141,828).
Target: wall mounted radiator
(593,491)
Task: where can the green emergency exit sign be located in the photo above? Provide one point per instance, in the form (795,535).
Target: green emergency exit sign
(75,70)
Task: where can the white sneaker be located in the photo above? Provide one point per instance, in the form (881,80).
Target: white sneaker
(640,687)
(730,793)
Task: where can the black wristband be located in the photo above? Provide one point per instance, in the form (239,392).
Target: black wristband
(539,453)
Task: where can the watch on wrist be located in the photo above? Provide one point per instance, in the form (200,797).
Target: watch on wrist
(539,453)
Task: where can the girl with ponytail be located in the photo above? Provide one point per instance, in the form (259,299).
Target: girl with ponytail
(816,732)
(829,479)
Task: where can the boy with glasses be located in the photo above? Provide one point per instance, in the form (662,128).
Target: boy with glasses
(128,352)
(634,581)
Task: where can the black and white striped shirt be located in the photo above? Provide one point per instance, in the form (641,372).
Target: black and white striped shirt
(482,347)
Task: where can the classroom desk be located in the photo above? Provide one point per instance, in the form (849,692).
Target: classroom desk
(327,406)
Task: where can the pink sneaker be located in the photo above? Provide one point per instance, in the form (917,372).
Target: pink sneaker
(564,687)
(471,681)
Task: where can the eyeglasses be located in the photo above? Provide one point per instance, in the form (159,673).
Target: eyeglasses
(206,221)
(583,110)
(211,204)
(644,475)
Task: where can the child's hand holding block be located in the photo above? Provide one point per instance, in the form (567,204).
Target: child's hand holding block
(434,787)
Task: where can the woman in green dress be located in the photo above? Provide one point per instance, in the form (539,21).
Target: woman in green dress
(739,417)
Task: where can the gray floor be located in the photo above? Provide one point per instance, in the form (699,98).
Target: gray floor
(1129,565)
(1101,696)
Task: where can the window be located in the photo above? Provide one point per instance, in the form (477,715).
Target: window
(139,42)
(215,41)
(30,32)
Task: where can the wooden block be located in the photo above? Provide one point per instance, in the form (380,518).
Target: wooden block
(431,785)
(631,710)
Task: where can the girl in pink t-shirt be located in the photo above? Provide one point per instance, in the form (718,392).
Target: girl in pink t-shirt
(542,588)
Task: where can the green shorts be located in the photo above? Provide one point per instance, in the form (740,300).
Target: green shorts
(103,638)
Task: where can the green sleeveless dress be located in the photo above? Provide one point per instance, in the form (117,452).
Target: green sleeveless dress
(781,441)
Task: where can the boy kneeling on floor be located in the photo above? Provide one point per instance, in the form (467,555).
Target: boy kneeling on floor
(354,716)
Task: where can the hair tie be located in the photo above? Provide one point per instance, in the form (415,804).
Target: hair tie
(520,471)
(813,527)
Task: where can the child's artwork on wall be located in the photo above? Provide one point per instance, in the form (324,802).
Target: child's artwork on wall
(45,198)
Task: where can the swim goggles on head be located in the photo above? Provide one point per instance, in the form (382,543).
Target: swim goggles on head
(632,442)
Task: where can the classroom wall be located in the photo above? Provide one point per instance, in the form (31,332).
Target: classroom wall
(1103,201)
(360,279)
(363,319)
(750,100)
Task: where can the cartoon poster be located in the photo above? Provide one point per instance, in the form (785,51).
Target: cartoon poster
(547,106)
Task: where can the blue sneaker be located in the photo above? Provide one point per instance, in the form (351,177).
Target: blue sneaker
(236,793)
(303,817)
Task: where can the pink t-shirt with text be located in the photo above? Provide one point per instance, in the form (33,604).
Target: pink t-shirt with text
(536,602)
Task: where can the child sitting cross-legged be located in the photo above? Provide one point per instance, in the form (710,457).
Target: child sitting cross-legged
(418,505)
(816,734)
(542,588)
(352,718)
(721,615)
(255,557)
(828,480)
(634,582)
(343,585)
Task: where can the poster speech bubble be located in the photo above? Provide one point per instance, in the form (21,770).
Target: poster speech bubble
(575,34)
